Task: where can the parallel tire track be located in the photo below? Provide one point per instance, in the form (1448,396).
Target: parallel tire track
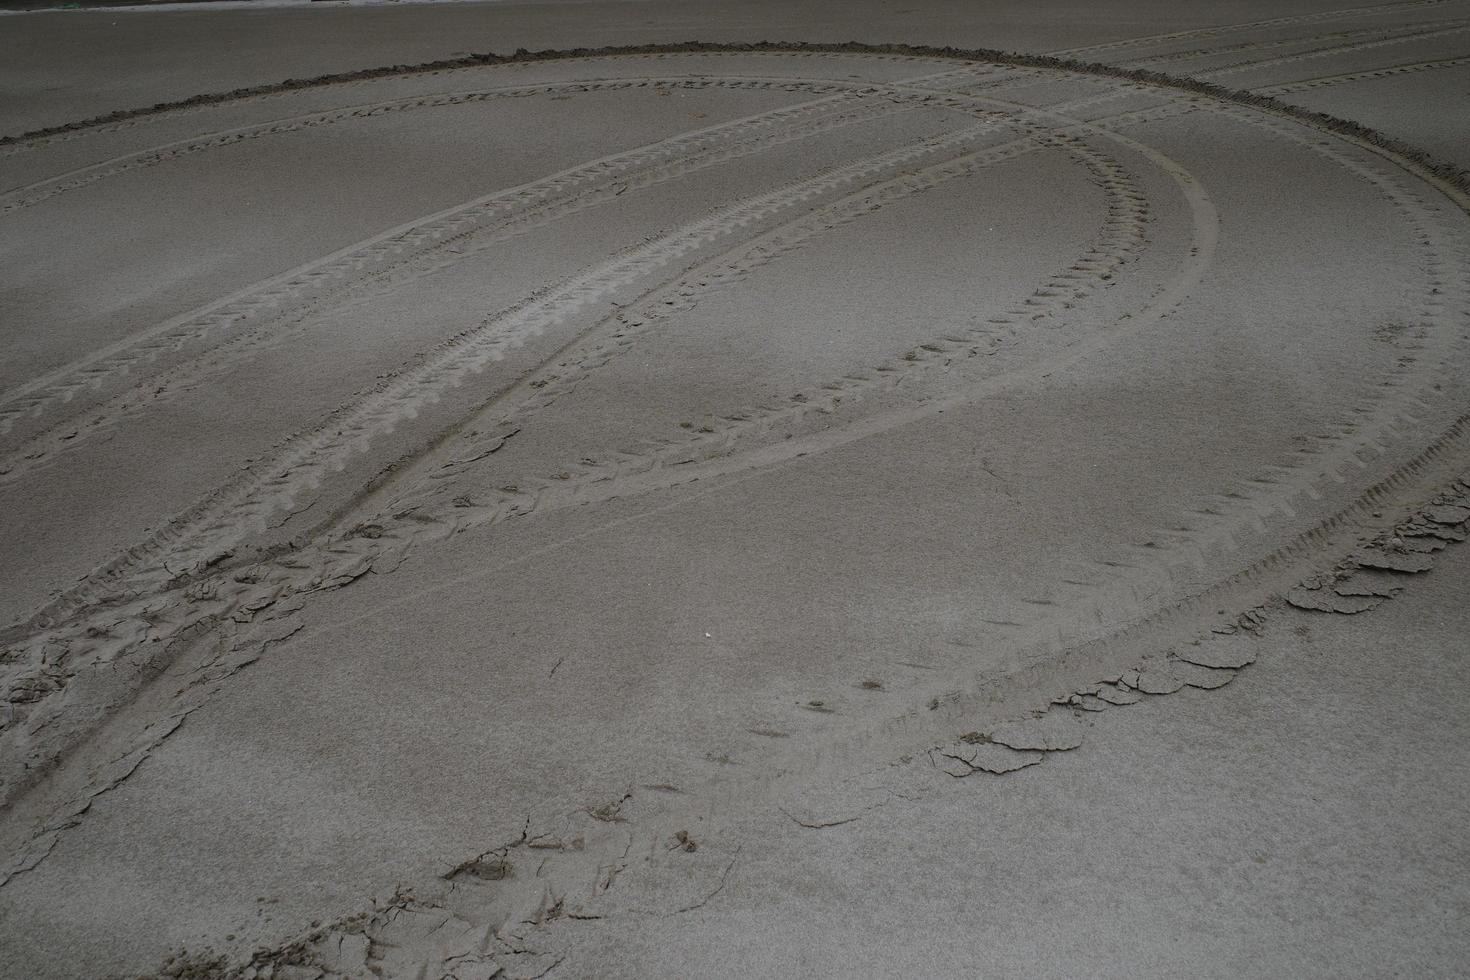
(304,460)
(1360,76)
(1331,51)
(123,632)
(43,190)
(495,218)
(26,398)
(676,454)
(1438,355)
(1354,36)
(337,437)
(1092,50)
(342,558)
(1445,264)
(125,119)
(343,561)
(195,552)
(718,435)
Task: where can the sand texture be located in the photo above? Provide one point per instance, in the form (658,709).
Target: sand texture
(657,508)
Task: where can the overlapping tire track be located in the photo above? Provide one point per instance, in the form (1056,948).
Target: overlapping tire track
(348,564)
(677,156)
(549,198)
(1372,74)
(1352,440)
(1266,576)
(122,625)
(1218,521)
(304,460)
(1417,369)
(1158,61)
(404,254)
(267,615)
(43,190)
(722,437)
(34,398)
(422,491)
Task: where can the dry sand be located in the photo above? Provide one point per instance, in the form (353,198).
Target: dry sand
(637,514)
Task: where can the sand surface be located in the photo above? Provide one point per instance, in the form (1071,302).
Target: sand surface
(639,513)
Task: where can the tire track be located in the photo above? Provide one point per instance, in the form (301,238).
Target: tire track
(170,611)
(28,401)
(461,917)
(130,118)
(1282,566)
(342,564)
(1399,402)
(347,271)
(467,248)
(1270,491)
(64,436)
(1435,356)
(1345,13)
(1376,34)
(43,190)
(517,210)
(280,592)
(592,170)
(716,435)
(164,542)
(304,460)
(162,112)
(1328,52)
(617,333)
(1359,76)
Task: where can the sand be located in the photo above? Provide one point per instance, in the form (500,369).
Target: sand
(700,510)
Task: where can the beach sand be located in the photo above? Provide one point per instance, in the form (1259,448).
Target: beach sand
(699,509)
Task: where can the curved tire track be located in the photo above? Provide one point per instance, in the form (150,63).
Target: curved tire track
(125,119)
(43,190)
(1308,541)
(1359,76)
(346,557)
(717,435)
(1330,51)
(1345,13)
(27,398)
(307,458)
(497,216)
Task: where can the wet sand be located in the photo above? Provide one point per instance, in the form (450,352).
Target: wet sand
(569,512)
